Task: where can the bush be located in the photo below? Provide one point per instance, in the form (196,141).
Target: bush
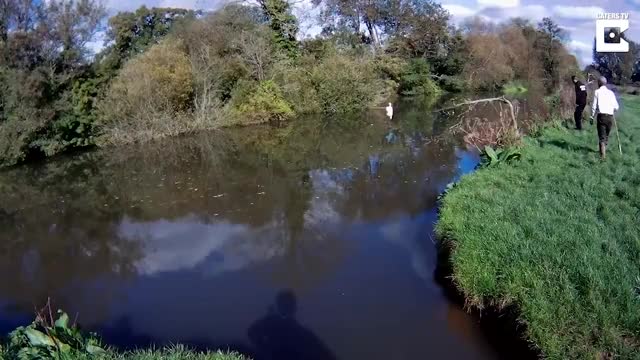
(489,64)
(46,339)
(318,48)
(151,89)
(159,78)
(297,88)
(263,103)
(343,85)
(391,67)
(15,140)
(416,80)
(452,83)
(44,114)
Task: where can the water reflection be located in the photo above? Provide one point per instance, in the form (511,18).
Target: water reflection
(213,226)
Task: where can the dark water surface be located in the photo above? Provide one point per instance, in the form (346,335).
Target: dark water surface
(306,242)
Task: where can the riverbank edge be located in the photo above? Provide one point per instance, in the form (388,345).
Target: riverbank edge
(192,127)
(502,315)
(499,319)
(175,352)
(500,324)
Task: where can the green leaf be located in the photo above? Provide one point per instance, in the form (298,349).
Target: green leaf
(29,353)
(491,153)
(38,338)
(64,348)
(511,155)
(63,320)
(94,350)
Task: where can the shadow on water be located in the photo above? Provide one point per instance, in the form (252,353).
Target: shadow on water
(279,335)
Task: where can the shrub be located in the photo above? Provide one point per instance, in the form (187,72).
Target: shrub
(15,140)
(49,339)
(560,104)
(391,67)
(416,80)
(151,89)
(343,85)
(318,48)
(488,67)
(159,78)
(452,83)
(493,157)
(297,88)
(263,103)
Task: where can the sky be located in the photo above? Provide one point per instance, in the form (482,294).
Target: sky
(575,16)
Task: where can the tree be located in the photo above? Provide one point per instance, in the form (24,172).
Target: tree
(553,30)
(283,24)
(42,60)
(619,68)
(131,33)
(421,29)
(549,43)
(354,13)
(488,66)
(232,43)
(73,23)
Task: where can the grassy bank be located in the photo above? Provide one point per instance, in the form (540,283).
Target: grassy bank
(174,353)
(46,338)
(558,236)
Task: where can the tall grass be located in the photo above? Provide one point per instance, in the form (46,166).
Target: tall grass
(177,352)
(558,236)
(173,353)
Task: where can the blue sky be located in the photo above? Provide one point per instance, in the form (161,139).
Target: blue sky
(576,16)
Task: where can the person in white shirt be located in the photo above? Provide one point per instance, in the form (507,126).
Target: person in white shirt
(605,105)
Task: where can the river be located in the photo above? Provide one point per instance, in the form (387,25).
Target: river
(313,239)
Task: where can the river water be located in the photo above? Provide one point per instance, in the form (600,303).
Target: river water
(304,242)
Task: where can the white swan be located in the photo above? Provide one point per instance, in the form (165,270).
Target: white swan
(389,111)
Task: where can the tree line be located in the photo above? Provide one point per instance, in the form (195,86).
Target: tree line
(167,71)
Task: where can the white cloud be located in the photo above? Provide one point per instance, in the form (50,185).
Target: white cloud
(579,45)
(531,12)
(577,12)
(581,50)
(499,3)
(459,10)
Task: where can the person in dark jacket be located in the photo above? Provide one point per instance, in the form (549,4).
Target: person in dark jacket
(581,101)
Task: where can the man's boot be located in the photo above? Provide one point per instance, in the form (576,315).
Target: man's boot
(603,151)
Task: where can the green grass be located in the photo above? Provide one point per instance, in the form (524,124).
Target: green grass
(514,89)
(558,236)
(174,353)
(177,352)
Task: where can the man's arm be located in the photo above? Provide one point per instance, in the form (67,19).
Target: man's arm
(594,107)
(616,107)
